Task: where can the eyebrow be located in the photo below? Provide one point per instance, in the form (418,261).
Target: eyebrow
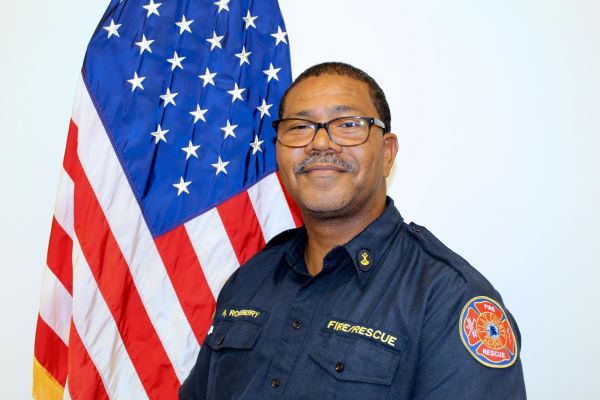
(338,109)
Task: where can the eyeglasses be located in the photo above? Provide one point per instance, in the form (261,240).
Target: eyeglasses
(343,131)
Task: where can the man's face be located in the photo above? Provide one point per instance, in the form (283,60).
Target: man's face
(338,181)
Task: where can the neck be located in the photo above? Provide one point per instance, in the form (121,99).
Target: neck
(326,233)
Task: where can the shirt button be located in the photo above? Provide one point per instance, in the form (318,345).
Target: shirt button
(297,324)
(275,383)
(339,367)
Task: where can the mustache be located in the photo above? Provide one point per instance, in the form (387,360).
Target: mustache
(326,158)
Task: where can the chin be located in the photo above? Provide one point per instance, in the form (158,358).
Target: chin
(325,207)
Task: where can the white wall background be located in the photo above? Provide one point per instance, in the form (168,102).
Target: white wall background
(497,107)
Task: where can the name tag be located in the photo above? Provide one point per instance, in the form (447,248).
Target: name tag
(372,333)
(234,313)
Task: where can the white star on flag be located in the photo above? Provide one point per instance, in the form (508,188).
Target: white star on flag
(136,81)
(208,77)
(222,4)
(228,130)
(198,113)
(144,44)
(264,108)
(279,36)
(256,145)
(176,61)
(190,150)
(112,29)
(243,56)
(249,20)
(168,97)
(220,166)
(272,73)
(215,41)
(184,25)
(182,186)
(152,8)
(236,93)
(159,134)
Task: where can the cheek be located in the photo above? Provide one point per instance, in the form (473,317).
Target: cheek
(286,159)
(368,161)
(371,168)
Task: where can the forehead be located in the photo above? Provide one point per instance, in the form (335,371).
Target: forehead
(329,95)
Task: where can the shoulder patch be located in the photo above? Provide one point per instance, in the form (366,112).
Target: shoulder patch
(486,333)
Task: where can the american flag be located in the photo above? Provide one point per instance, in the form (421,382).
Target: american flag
(168,185)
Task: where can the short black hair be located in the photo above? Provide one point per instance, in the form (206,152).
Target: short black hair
(343,69)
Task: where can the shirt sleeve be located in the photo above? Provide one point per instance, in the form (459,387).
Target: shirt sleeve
(196,384)
(447,368)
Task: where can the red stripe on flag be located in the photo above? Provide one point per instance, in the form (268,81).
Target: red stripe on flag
(60,250)
(114,280)
(84,380)
(294,209)
(70,160)
(242,226)
(188,279)
(50,351)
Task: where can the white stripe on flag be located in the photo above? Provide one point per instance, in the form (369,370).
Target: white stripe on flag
(100,335)
(63,211)
(66,395)
(213,249)
(271,207)
(127,224)
(55,305)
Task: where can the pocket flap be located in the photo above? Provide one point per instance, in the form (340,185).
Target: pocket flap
(356,359)
(233,335)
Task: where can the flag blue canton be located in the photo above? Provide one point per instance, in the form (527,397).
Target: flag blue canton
(187,92)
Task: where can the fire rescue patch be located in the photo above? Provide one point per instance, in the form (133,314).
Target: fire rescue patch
(486,333)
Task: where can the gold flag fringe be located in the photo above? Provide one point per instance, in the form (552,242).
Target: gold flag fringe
(45,387)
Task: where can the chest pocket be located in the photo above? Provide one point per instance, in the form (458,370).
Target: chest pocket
(231,364)
(357,367)
(240,335)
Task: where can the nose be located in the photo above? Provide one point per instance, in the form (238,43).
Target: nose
(322,142)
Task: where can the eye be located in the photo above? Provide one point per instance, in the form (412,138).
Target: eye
(299,126)
(350,124)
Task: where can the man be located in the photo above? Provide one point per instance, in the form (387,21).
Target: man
(356,304)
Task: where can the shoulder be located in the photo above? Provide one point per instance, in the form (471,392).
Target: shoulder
(453,278)
(447,263)
(464,331)
(466,296)
(261,265)
(274,249)
(282,238)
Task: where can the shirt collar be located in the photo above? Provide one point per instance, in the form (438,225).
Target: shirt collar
(365,250)
(294,256)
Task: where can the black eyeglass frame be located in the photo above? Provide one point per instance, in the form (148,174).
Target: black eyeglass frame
(325,125)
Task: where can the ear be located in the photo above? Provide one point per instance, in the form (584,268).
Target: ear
(390,148)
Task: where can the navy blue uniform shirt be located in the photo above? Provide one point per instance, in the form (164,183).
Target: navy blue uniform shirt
(394,314)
